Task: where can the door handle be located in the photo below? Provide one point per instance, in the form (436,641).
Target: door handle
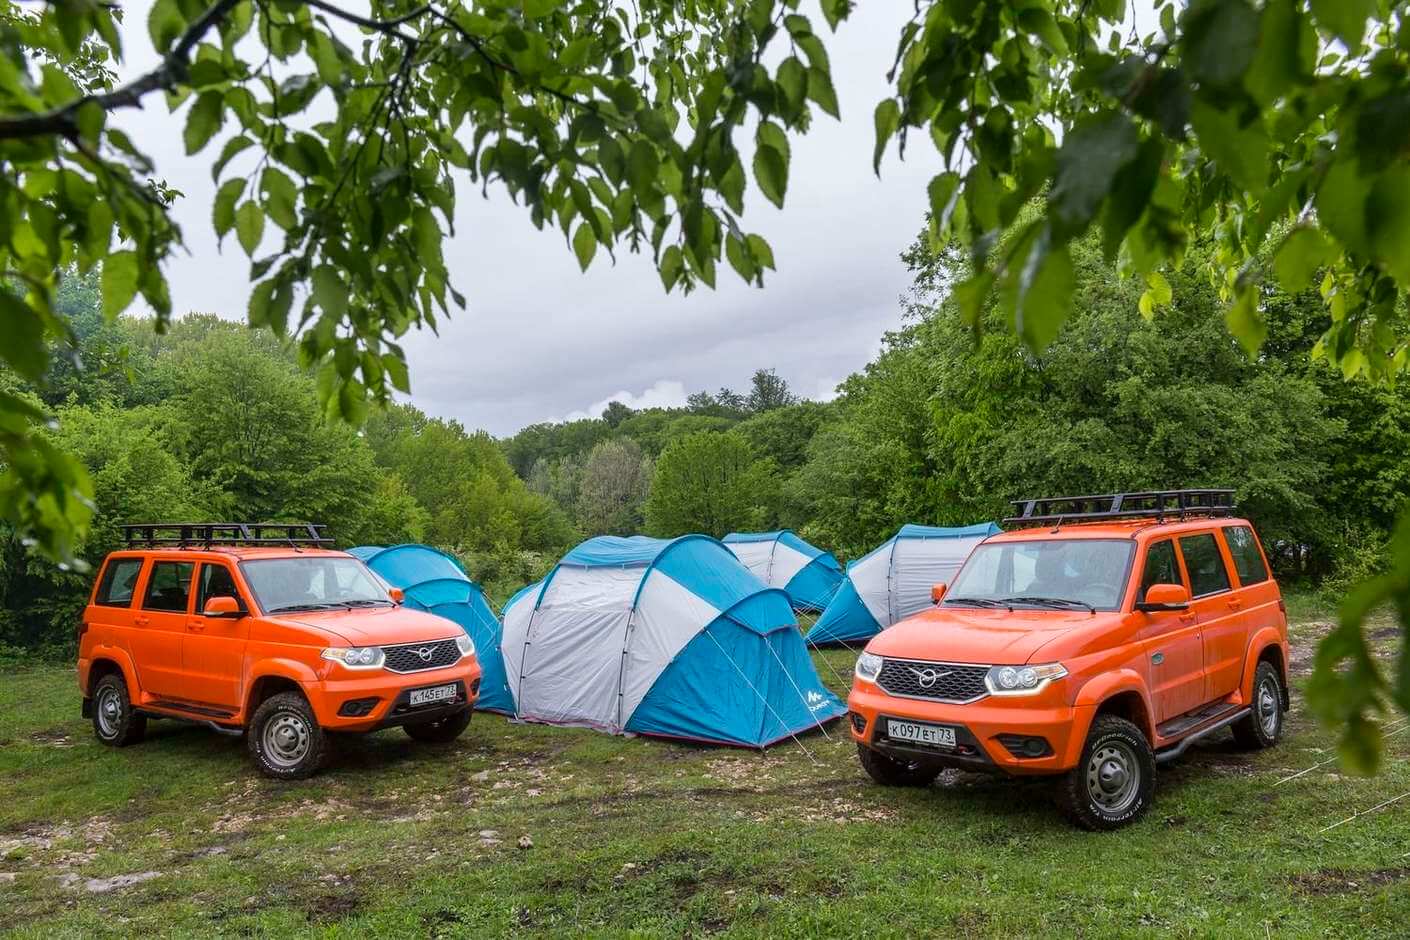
(1236,605)
(141,621)
(196,626)
(1187,618)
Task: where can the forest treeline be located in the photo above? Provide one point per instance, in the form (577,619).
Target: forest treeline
(212,420)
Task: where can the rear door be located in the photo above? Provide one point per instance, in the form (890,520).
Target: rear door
(1172,641)
(1256,590)
(213,652)
(159,628)
(1219,609)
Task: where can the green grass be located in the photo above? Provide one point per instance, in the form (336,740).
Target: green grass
(655,838)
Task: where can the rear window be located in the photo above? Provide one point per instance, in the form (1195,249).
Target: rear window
(169,587)
(1248,560)
(119,582)
(1205,565)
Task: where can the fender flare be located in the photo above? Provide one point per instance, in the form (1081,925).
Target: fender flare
(1257,646)
(291,669)
(1091,696)
(121,658)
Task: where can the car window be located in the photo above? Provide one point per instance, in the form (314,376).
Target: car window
(321,581)
(169,586)
(119,582)
(1161,567)
(1082,571)
(215,581)
(1248,560)
(1205,565)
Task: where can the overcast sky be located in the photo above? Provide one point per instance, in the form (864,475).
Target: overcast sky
(542,341)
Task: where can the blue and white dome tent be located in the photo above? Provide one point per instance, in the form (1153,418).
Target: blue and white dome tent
(809,575)
(894,580)
(435,582)
(669,637)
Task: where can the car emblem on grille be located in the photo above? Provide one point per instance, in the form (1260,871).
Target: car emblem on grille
(425,653)
(928,677)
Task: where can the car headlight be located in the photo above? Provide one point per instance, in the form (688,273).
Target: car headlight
(868,666)
(1022,680)
(465,645)
(356,657)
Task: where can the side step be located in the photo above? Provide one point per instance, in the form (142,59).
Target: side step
(201,710)
(1220,718)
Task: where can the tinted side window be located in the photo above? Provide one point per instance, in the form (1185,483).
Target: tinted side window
(1160,566)
(1248,560)
(119,581)
(1205,565)
(215,581)
(169,586)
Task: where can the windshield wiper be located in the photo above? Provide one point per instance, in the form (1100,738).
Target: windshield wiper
(1065,603)
(366,602)
(985,602)
(289,608)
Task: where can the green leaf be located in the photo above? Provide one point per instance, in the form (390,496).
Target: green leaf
(887,119)
(771,173)
(834,11)
(1388,222)
(820,90)
(118,282)
(164,24)
(672,264)
(1092,154)
(203,120)
(1161,293)
(232,147)
(280,197)
(792,79)
(1304,251)
(1044,297)
(1039,22)
(395,367)
(584,244)
(1241,152)
(1341,205)
(1220,39)
(24,347)
(1345,19)
(249,226)
(537,9)
(1246,323)
(944,191)
(1287,50)
(223,210)
(329,291)
(763,255)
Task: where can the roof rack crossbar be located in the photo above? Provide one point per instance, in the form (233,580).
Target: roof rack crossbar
(181,534)
(1157,504)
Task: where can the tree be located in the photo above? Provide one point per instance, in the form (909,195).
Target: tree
(615,413)
(616,481)
(712,483)
(767,391)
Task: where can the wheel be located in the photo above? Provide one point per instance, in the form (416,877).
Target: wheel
(114,722)
(285,738)
(890,772)
(1112,784)
(442,730)
(1263,726)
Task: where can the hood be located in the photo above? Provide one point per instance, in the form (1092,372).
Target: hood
(990,637)
(374,626)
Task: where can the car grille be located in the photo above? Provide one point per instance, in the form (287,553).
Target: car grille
(952,682)
(409,658)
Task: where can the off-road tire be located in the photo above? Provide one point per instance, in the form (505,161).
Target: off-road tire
(115,723)
(285,739)
(441,731)
(1094,794)
(890,772)
(1263,725)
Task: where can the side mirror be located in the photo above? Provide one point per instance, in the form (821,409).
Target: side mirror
(396,594)
(222,606)
(1165,597)
(937,592)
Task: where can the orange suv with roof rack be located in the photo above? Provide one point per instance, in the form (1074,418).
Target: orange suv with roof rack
(1097,639)
(262,630)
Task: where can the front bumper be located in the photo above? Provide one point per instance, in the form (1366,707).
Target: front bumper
(382,698)
(978,729)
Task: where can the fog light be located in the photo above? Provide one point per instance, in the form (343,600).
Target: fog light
(859,722)
(1025,745)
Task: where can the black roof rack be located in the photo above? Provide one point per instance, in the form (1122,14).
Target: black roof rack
(207,534)
(1154,504)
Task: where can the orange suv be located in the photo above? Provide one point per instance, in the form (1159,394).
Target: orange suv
(1098,638)
(262,630)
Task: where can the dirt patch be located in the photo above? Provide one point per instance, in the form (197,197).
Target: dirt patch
(1304,645)
(333,907)
(1331,882)
(52,737)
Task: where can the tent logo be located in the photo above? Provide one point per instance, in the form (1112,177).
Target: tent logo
(816,700)
(928,677)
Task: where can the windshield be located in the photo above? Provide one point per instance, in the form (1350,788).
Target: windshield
(314,583)
(1059,573)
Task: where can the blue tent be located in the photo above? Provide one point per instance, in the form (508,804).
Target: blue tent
(435,582)
(662,637)
(781,559)
(893,581)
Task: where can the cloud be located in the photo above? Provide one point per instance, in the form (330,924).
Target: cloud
(664,393)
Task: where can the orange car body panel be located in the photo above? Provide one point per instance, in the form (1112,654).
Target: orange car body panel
(188,665)
(1202,655)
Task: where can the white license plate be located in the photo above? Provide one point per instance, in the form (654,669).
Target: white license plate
(439,693)
(936,735)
